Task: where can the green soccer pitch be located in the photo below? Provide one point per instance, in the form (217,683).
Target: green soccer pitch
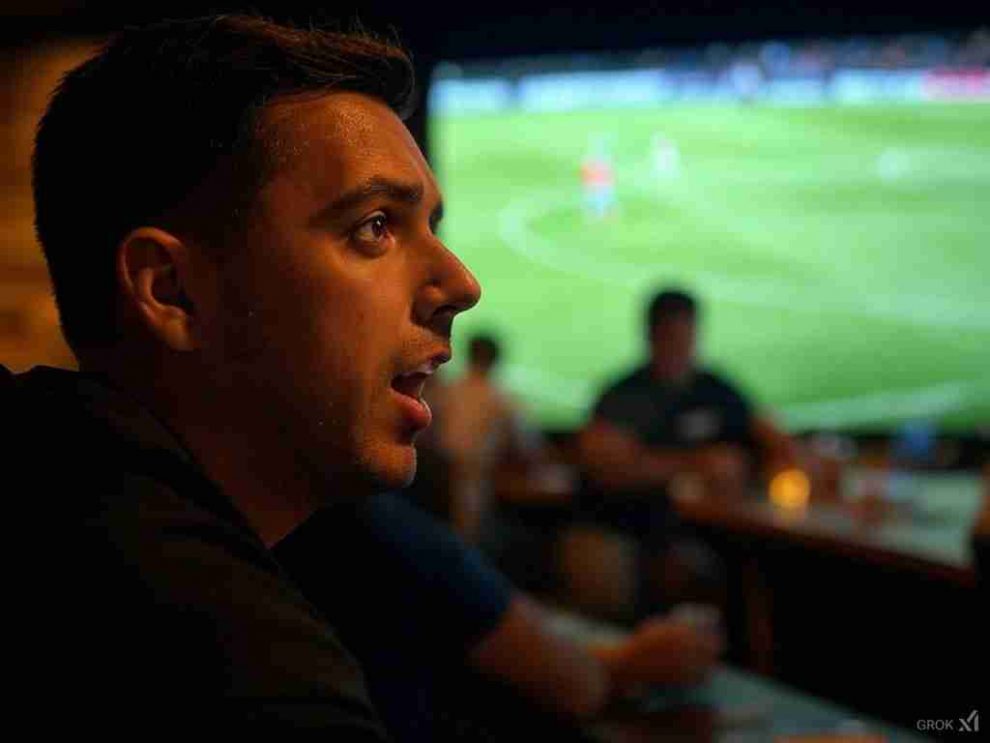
(842,253)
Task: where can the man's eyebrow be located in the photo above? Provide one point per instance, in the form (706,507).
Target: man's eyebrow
(373,188)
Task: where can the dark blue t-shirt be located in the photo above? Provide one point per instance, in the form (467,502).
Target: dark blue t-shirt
(406,596)
(704,410)
(144,599)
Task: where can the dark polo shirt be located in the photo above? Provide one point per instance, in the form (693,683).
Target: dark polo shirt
(142,600)
(704,410)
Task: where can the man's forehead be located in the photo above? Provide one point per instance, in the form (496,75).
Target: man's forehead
(345,138)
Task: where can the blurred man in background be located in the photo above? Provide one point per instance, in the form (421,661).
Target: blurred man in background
(671,420)
(479,427)
(672,416)
(980,537)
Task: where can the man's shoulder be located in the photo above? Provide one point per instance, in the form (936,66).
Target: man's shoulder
(710,376)
(177,603)
(622,401)
(94,453)
(712,380)
(632,381)
(154,572)
(163,584)
(412,560)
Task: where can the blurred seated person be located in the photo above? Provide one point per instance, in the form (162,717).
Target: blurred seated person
(450,649)
(479,427)
(671,418)
(980,537)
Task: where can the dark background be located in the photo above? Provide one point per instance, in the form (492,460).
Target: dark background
(479,30)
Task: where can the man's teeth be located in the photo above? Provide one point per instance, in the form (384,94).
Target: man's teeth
(426,368)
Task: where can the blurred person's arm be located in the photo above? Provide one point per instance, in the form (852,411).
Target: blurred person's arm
(981,526)
(980,536)
(616,460)
(660,651)
(437,598)
(983,520)
(554,671)
(577,679)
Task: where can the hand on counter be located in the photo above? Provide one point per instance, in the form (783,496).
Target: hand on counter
(663,651)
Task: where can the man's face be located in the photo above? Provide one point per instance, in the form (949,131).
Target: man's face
(342,297)
(673,346)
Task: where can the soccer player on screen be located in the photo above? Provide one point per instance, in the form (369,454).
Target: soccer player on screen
(598,182)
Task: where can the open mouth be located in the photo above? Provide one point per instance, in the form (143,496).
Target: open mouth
(409,389)
(410,385)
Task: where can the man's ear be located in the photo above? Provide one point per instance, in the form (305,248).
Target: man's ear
(152,269)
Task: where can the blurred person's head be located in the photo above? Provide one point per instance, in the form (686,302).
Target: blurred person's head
(672,334)
(238,223)
(483,353)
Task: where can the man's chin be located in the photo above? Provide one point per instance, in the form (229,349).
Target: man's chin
(383,470)
(397,472)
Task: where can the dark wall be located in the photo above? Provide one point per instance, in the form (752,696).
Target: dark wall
(469,29)
(477,30)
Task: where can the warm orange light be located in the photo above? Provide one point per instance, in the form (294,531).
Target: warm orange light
(790,489)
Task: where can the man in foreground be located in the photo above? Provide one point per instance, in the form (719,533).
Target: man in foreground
(242,238)
(241,235)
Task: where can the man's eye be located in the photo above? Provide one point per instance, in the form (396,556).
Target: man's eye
(372,230)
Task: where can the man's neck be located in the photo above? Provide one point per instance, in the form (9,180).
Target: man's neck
(272,487)
(661,376)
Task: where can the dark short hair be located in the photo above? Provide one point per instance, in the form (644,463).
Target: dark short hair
(484,349)
(670,303)
(178,102)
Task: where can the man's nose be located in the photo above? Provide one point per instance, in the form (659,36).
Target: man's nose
(451,288)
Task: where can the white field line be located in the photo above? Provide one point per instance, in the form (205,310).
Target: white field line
(514,231)
(916,165)
(871,408)
(882,407)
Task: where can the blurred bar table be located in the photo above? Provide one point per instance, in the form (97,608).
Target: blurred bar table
(926,530)
(731,706)
(742,708)
(871,599)
(876,607)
